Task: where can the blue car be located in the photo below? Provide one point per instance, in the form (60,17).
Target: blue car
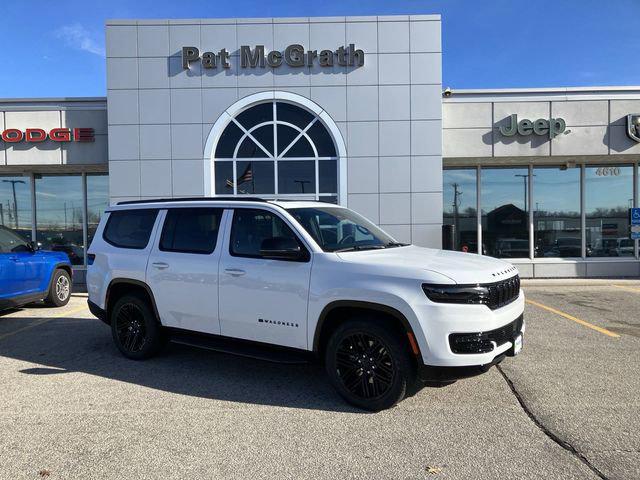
(29,275)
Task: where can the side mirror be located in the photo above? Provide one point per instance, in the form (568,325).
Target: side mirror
(282,248)
(33,246)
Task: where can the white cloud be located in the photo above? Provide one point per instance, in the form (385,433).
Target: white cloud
(76,36)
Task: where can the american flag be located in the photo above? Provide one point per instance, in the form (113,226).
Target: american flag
(247,176)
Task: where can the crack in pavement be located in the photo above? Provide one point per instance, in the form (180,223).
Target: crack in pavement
(566,445)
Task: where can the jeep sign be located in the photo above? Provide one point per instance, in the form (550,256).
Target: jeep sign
(541,126)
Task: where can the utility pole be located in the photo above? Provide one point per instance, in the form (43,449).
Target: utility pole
(456,214)
(525,178)
(15,199)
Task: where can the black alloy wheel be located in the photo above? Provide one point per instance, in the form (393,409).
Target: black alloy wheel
(135,329)
(365,366)
(130,328)
(369,364)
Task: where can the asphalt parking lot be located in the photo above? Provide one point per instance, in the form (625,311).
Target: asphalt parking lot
(567,407)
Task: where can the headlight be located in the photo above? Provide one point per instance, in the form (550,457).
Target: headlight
(464,294)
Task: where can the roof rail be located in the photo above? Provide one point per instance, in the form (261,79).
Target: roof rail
(194,199)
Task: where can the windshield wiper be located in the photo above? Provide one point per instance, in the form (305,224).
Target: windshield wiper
(359,248)
(396,244)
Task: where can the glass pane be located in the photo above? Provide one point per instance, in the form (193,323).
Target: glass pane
(286,135)
(328,173)
(556,212)
(265,136)
(97,202)
(15,205)
(255,177)
(330,199)
(322,139)
(251,227)
(340,229)
(505,232)
(249,149)
(293,114)
(130,228)
(297,176)
(459,197)
(302,148)
(608,197)
(228,141)
(59,215)
(191,230)
(255,115)
(224,178)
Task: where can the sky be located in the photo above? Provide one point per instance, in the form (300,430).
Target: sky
(56,49)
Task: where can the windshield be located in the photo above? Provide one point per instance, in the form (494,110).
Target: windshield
(340,230)
(11,242)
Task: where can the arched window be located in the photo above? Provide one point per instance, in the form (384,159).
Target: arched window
(276,149)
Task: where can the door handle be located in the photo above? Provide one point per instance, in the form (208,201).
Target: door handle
(160,265)
(13,259)
(234,272)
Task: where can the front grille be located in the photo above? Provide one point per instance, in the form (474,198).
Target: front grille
(483,342)
(502,293)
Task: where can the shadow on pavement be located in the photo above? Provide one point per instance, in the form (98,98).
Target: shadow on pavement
(84,345)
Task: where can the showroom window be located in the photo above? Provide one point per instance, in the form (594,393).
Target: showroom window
(460,200)
(505,217)
(97,202)
(553,206)
(59,215)
(556,212)
(15,205)
(59,212)
(608,197)
(276,149)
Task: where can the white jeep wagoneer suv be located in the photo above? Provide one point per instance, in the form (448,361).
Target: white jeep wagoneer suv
(252,276)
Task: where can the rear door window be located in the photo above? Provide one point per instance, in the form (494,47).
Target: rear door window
(130,228)
(191,230)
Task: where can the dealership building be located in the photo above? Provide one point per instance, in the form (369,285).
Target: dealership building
(347,110)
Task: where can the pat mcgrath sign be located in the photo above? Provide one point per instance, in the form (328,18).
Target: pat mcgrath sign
(38,135)
(294,55)
(551,127)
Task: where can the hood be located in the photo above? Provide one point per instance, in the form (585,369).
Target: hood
(462,268)
(54,255)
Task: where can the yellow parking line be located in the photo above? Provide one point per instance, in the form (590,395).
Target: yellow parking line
(624,287)
(42,320)
(604,331)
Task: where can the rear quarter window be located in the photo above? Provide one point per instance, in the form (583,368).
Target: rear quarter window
(130,228)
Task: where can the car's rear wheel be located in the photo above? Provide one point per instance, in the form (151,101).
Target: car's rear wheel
(135,329)
(60,290)
(369,365)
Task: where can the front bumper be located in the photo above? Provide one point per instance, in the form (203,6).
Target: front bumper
(443,322)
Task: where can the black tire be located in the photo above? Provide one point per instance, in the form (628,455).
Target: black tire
(135,329)
(369,365)
(60,289)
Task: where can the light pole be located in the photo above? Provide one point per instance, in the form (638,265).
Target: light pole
(15,199)
(525,177)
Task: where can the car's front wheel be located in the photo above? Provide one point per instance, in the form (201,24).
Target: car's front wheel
(369,365)
(60,290)
(134,328)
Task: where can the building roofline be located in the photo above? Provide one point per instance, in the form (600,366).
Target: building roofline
(452,95)
(561,90)
(319,19)
(52,99)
